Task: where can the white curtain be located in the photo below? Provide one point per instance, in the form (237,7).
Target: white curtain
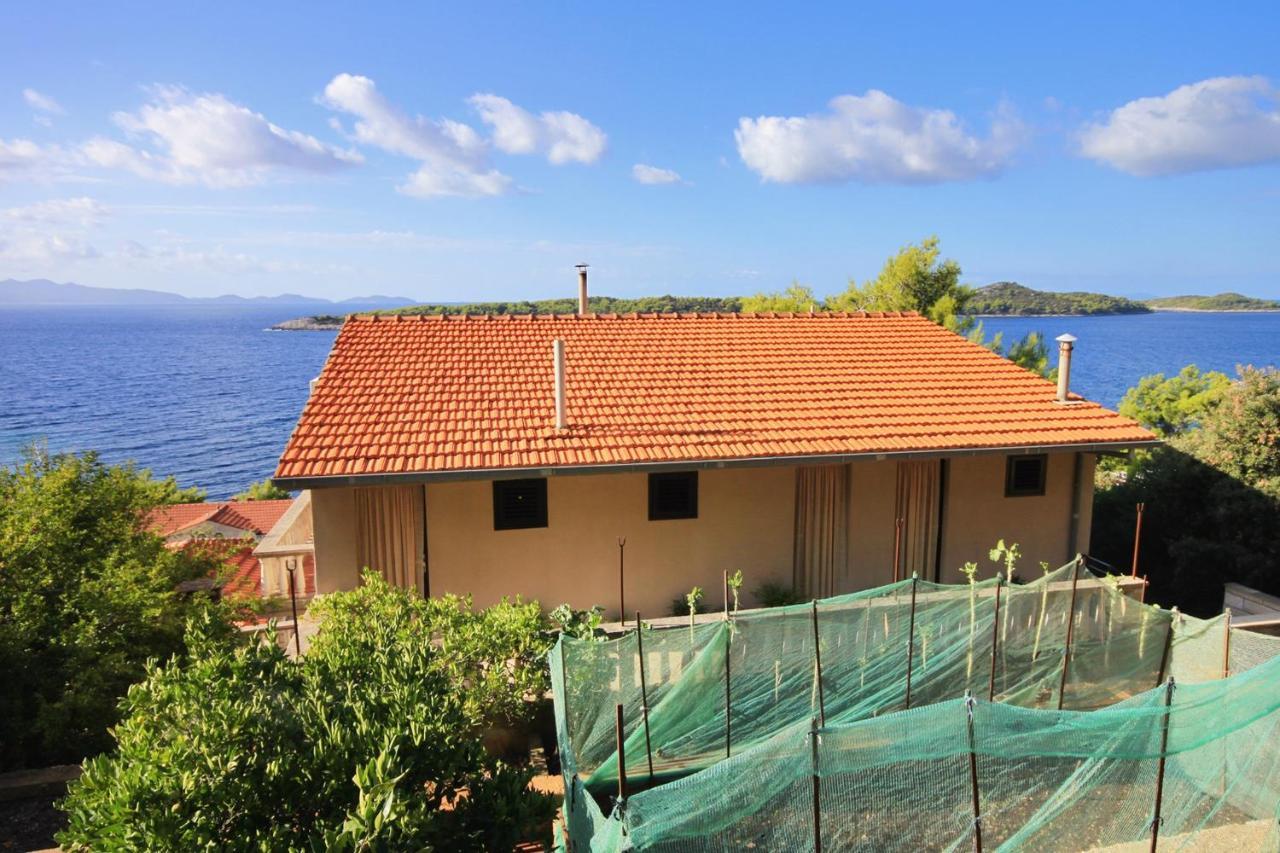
(917,505)
(820,562)
(389,533)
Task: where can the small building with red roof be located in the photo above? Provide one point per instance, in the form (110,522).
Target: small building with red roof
(831,452)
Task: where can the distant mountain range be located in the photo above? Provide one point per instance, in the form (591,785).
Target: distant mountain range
(44,292)
(1221,302)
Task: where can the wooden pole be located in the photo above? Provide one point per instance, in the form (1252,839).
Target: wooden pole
(1226,644)
(973,776)
(817,664)
(644,697)
(728,703)
(897,547)
(1164,747)
(1174,615)
(726,594)
(622,757)
(564,703)
(622,585)
(995,640)
(817,787)
(1137,538)
(911,635)
(1071,624)
(292,567)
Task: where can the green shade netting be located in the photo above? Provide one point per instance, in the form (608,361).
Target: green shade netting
(898,777)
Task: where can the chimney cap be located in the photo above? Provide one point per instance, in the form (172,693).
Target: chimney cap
(580,266)
(1066,338)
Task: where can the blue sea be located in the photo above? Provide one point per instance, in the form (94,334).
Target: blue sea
(208,395)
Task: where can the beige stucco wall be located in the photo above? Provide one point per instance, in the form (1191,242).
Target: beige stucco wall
(746,520)
(977,514)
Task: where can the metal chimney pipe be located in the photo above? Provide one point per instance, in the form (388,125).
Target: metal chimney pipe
(582,289)
(557,352)
(1066,343)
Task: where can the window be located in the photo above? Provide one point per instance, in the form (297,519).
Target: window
(519,504)
(673,495)
(1024,476)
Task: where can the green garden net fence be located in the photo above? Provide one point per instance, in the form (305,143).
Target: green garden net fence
(842,725)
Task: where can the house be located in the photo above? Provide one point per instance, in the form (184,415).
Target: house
(255,538)
(503,455)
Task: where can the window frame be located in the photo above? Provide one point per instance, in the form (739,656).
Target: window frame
(656,513)
(1012,491)
(502,522)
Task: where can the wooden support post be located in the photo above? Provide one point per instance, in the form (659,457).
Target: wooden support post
(622,585)
(726,594)
(644,697)
(622,756)
(995,640)
(973,776)
(897,547)
(1174,616)
(728,701)
(817,787)
(1164,747)
(1137,538)
(1226,644)
(911,635)
(1071,624)
(564,703)
(817,666)
(291,566)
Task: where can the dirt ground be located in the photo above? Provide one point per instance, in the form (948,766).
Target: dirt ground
(27,825)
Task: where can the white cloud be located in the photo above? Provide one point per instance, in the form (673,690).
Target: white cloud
(24,160)
(83,212)
(1219,123)
(212,140)
(34,249)
(874,138)
(42,103)
(563,137)
(647,174)
(453,157)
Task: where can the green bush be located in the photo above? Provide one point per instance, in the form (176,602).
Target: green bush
(774,594)
(1212,494)
(86,597)
(368,743)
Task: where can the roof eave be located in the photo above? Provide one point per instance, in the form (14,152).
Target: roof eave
(412,477)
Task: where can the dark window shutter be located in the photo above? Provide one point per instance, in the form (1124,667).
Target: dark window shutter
(1025,476)
(519,504)
(673,495)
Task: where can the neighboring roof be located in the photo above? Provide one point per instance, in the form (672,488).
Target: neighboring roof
(257,517)
(442,396)
(244,575)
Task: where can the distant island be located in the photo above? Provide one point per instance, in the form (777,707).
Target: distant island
(44,292)
(1221,302)
(1007,298)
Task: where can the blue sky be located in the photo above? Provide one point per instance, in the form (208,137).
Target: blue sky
(478,151)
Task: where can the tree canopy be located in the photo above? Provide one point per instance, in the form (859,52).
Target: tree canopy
(1212,493)
(262,490)
(87,595)
(1173,405)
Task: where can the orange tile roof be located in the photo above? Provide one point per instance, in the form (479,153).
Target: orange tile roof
(410,395)
(250,516)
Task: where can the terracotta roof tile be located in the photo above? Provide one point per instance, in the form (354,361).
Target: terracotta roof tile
(250,516)
(445,393)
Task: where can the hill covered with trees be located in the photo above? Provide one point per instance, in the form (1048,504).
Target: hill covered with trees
(1220,302)
(1007,298)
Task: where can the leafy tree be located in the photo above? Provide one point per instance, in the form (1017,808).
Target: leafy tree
(1213,501)
(915,279)
(369,742)
(1174,405)
(797,298)
(263,490)
(86,597)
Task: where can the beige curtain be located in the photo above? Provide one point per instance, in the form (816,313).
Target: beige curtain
(389,533)
(822,530)
(917,504)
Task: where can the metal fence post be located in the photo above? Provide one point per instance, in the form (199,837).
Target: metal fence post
(1164,747)
(1071,625)
(817,665)
(817,786)
(995,640)
(622,757)
(969,703)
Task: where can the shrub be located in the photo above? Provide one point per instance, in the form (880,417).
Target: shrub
(775,594)
(369,742)
(86,597)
